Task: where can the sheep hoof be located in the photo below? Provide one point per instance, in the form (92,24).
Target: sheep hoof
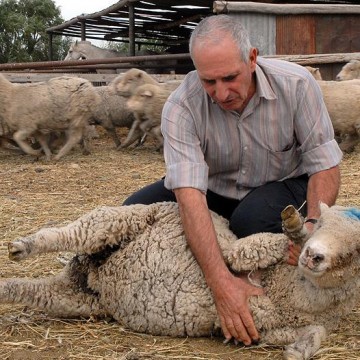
(292,221)
(17,251)
(292,354)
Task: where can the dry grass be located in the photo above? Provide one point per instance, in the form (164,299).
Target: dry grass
(35,194)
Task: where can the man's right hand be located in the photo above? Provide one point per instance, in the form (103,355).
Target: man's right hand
(232,303)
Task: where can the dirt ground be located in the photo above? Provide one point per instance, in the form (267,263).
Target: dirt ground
(34,194)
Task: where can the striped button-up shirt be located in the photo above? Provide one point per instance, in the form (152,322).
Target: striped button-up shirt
(284,131)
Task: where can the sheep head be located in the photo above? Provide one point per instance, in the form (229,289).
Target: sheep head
(331,256)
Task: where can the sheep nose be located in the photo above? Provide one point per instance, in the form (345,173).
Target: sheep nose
(312,258)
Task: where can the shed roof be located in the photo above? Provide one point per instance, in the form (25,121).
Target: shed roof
(164,22)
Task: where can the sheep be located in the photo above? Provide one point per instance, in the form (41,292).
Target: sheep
(34,110)
(133,263)
(112,112)
(349,71)
(126,84)
(342,100)
(146,103)
(315,72)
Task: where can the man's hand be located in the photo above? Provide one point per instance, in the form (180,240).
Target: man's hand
(231,299)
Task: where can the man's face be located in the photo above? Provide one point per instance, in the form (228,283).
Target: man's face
(225,78)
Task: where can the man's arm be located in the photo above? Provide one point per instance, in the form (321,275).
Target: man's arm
(322,187)
(230,293)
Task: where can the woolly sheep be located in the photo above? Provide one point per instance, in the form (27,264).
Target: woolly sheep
(349,71)
(315,72)
(146,103)
(126,84)
(344,110)
(112,112)
(133,263)
(33,110)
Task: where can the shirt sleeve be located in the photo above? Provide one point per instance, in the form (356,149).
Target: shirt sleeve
(185,164)
(314,130)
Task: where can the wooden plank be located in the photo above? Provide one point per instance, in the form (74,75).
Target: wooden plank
(29,77)
(295,34)
(225,7)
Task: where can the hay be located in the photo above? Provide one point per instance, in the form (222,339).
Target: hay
(38,193)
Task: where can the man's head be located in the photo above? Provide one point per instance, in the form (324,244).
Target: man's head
(225,61)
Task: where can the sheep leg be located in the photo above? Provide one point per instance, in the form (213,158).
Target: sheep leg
(20,137)
(74,137)
(56,295)
(135,133)
(112,133)
(306,344)
(91,233)
(43,141)
(262,250)
(256,252)
(349,142)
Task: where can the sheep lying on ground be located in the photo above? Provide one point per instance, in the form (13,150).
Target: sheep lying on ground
(133,263)
(315,72)
(146,103)
(35,110)
(112,112)
(342,100)
(349,71)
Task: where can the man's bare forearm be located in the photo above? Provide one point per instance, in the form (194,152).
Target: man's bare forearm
(200,234)
(322,187)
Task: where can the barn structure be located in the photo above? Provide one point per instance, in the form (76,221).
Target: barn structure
(276,27)
(314,32)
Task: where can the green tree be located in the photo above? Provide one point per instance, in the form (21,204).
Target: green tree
(22,31)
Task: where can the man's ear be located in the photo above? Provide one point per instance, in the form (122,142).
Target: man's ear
(253,57)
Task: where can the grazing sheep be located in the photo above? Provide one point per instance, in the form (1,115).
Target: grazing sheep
(147,103)
(315,72)
(342,100)
(133,263)
(35,110)
(112,112)
(349,71)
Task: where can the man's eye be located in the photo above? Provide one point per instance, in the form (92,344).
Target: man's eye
(209,82)
(230,78)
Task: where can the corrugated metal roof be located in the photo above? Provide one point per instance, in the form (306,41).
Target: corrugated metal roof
(166,21)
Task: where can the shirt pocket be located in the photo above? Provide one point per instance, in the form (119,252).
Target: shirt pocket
(282,163)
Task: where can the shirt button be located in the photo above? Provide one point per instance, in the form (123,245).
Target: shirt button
(243,172)
(245,147)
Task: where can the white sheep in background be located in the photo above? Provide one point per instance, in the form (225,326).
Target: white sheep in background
(126,85)
(147,103)
(34,110)
(315,72)
(133,263)
(342,100)
(349,71)
(112,112)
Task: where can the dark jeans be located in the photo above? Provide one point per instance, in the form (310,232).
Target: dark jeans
(258,212)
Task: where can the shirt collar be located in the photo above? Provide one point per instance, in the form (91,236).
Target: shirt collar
(263,87)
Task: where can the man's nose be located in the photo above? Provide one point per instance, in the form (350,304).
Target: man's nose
(221,91)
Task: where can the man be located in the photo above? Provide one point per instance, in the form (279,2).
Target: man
(245,137)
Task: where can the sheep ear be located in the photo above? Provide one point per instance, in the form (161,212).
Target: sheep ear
(148,93)
(323,207)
